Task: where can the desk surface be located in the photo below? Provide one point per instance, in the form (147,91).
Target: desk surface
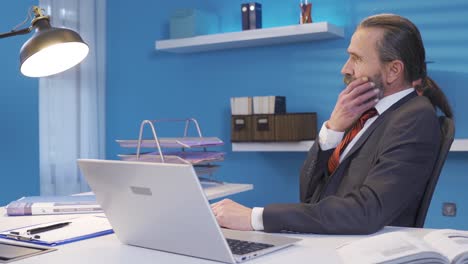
(108,249)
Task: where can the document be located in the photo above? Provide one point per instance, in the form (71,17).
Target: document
(61,232)
(441,246)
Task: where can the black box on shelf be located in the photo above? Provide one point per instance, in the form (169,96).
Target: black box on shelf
(245,16)
(274,127)
(255,15)
(251,16)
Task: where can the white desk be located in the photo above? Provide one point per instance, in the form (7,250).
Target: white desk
(108,249)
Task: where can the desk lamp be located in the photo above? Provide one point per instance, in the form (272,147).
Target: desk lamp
(50,50)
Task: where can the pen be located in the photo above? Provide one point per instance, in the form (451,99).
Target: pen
(46,228)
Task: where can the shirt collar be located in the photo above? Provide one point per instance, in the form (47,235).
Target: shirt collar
(388,101)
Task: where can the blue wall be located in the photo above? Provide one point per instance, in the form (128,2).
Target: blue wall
(145,84)
(19,154)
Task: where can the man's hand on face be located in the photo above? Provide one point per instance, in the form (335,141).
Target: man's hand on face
(359,96)
(232,215)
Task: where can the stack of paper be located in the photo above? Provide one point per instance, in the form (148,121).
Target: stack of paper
(269,105)
(182,142)
(241,105)
(192,157)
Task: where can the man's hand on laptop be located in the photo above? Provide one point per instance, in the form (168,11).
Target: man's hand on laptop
(232,215)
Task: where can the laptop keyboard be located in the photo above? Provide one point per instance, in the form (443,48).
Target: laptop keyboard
(241,247)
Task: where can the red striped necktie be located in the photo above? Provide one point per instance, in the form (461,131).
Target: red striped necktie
(335,157)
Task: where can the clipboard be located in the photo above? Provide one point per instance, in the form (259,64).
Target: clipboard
(80,228)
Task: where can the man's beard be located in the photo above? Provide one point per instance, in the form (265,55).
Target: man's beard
(376,79)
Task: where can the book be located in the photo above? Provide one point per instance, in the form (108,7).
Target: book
(43,205)
(445,246)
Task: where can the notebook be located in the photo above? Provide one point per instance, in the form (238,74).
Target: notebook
(163,206)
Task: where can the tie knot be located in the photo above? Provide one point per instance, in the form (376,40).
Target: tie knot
(368,114)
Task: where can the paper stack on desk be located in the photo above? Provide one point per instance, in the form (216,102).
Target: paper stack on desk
(78,228)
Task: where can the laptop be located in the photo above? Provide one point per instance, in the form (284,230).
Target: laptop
(163,206)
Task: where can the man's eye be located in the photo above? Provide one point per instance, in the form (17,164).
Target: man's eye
(355,58)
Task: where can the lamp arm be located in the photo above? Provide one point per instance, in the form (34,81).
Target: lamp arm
(16,32)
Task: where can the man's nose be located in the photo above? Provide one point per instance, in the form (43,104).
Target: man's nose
(347,70)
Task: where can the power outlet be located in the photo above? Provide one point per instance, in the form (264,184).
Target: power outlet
(449,209)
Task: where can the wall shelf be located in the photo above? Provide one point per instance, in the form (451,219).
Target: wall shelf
(459,145)
(273,146)
(252,38)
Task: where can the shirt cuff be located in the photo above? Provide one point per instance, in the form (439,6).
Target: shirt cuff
(329,139)
(256,218)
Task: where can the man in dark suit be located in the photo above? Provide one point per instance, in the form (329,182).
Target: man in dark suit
(374,155)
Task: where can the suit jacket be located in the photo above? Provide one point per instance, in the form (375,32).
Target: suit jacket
(380,181)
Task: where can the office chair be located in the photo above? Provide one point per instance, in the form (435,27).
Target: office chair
(447,127)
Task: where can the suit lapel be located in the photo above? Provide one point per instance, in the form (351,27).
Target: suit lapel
(376,123)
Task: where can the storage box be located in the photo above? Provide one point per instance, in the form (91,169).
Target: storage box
(185,23)
(264,128)
(295,126)
(274,128)
(241,128)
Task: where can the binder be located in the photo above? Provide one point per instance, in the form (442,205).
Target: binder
(80,228)
(245,16)
(46,205)
(255,16)
(279,105)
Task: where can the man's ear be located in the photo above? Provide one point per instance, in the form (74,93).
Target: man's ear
(395,70)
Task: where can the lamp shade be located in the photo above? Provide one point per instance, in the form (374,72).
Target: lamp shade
(51,50)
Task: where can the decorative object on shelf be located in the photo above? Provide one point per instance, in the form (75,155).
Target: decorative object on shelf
(50,50)
(251,16)
(306,12)
(186,23)
(274,127)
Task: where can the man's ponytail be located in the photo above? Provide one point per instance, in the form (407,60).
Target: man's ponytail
(431,90)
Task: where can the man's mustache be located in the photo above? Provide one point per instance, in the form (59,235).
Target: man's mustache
(347,79)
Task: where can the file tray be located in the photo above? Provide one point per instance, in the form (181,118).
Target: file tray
(183,157)
(184,142)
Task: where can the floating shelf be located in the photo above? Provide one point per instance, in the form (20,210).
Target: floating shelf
(273,146)
(252,38)
(458,145)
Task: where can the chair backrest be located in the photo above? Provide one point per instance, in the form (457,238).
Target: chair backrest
(447,135)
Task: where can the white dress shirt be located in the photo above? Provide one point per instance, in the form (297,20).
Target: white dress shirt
(329,139)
